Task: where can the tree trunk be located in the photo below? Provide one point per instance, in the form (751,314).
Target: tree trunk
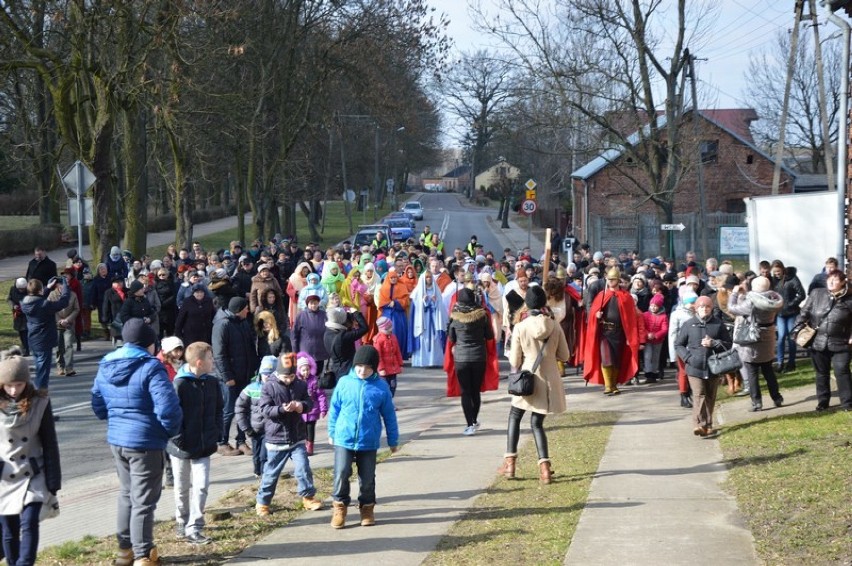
(312,227)
(134,153)
(505,224)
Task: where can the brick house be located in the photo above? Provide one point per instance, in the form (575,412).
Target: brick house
(610,209)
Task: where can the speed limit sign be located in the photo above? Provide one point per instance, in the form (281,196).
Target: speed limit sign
(528,206)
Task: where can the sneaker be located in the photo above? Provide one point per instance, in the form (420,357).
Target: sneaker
(244,449)
(198,538)
(469,431)
(779,402)
(70,373)
(476,425)
(180,530)
(311,503)
(262,510)
(227,450)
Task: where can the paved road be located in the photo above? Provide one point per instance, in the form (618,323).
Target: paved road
(456,223)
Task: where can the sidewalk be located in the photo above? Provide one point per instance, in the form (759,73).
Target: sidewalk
(16,266)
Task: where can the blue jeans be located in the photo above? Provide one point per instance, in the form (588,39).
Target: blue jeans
(366,462)
(42,368)
(20,535)
(785,325)
(229,396)
(275,460)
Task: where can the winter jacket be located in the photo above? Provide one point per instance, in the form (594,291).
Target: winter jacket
(42,270)
(677,319)
(468,331)
(112,306)
(259,287)
(320,401)
(95,296)
(282,427)
(19,319)
(358,407)
(116,268)
(390,357)
(67,315)
(133,393)
(791,291)
(689,348)
(247,409)
(233,349)
(831,316)
(41,318)
(340,345)
(527,338)
(29,457)
(656,324)
(308,333)
(763,307)
(137,307)
(202,405)
(167,294)
(195,321)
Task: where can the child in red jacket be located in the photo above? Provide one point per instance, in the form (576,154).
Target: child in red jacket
(390,356)
(656,330)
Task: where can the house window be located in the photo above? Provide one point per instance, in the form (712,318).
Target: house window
(709,151)
(749,159)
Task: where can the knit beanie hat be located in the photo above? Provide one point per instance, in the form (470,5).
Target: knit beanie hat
(135,331)
(657,300)
(302,361)
(286,364)
(366,356)
(135,287)
(115,253)
(466,297)
(237,304)
(13,367)
(384,324)
(535,298)
(336,318)
(267,365)
(171,343)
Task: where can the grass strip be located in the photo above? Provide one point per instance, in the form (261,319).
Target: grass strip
(521,521)
(803,375)
(790,476)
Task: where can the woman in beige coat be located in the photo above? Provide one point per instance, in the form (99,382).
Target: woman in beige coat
(535,327)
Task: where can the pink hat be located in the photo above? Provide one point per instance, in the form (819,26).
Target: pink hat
(657,300)
(384,324)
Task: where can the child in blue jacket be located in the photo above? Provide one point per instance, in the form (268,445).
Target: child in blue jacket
(248,415)
(360,402)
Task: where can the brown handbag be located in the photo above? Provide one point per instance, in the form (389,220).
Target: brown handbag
(805,336)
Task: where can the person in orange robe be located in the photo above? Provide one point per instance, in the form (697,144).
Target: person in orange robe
(372,282)
(611,348)
(393,300)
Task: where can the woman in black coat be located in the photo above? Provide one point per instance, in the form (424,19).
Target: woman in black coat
(137,305)
(698,338)
(167,292)
(95,298)
(112,303)
(195,318)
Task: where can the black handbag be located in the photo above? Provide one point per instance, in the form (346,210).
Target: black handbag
(747,332)
(724,362)
(522,383)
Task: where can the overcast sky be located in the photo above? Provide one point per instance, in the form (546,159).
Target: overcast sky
(740,28)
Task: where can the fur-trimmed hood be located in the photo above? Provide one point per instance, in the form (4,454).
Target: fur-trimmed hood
(467,317)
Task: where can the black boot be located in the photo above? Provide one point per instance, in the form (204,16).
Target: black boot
(685,401)
(650,377)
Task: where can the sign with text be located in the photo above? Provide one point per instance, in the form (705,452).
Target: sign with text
(733,240)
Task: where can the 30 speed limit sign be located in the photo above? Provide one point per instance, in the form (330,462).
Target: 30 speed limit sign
(528,206)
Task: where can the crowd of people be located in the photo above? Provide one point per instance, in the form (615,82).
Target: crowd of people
(257,345)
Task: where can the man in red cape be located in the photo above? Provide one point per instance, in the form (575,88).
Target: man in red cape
(492,370)
(611,344)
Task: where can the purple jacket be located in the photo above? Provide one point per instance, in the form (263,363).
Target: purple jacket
(308,333)
(317,395)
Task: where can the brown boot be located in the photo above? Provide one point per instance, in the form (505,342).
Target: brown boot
(338,519)
(545,473)
(124,557)
(368,518)
(508,467)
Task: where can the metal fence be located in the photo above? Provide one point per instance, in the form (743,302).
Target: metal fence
(642,232)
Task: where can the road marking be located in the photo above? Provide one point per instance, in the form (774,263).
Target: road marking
(72,408)
(443,231)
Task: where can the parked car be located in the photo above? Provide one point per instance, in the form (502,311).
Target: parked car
(415,208)
(367,233)
(400,228)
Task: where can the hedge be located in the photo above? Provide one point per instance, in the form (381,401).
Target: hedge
(20,242)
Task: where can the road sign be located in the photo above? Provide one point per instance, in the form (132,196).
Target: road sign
(88,212)
(672,227)
(390,184)
(530,195)
(72,178)
(349,195)
(568,245)
(531,185)
(528,206)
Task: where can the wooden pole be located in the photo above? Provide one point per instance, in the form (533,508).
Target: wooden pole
(546,270)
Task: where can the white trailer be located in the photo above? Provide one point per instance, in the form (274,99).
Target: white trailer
(799,229)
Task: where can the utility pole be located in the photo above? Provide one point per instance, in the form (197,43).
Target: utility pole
(699,167)
(791,63)
(823,105)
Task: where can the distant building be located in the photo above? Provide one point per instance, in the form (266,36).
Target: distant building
(494,174)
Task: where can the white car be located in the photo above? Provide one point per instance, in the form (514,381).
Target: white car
(414,208)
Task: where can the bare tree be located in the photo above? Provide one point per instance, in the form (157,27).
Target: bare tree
(765,91)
